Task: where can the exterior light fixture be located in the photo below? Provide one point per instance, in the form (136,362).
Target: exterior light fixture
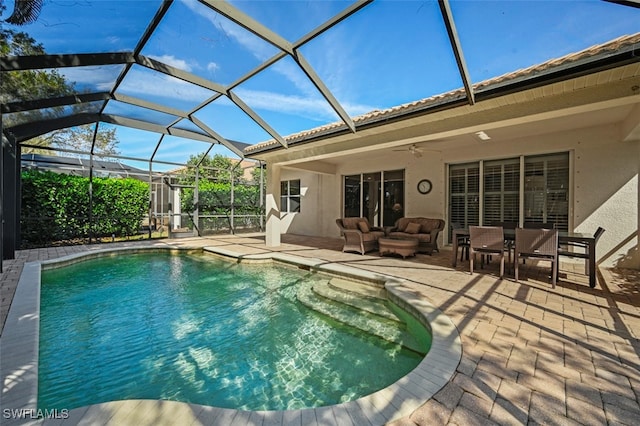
(482,136)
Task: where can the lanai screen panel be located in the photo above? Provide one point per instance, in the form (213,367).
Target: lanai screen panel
(387,54)
(231,122)
(210,45)
(250,71)
(499,37)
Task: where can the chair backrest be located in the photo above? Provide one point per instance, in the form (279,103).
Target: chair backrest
(486,237)
(505,225)
(598,233)
(542,242)
(352,222)
(539,225)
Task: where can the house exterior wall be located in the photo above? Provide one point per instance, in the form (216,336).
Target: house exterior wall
(604,174)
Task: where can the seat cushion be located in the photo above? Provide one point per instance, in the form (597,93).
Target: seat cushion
(363,226)
(412,228)
(426,224)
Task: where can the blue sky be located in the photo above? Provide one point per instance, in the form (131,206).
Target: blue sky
(388,53)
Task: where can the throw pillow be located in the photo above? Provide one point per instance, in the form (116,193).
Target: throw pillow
(412,228)
(363,227)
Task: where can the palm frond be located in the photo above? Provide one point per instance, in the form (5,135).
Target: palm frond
(25,12)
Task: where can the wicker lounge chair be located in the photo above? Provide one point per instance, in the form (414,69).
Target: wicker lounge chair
(358,235)
(486,240)
(541,244)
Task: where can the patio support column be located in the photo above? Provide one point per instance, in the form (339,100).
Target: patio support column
(10,197)
(272,207)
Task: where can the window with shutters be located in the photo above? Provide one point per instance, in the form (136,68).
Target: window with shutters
(545,179)
(501,191)
(464,190)
(546,190)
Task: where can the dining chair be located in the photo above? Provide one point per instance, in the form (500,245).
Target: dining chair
(564,250)
(463,241)
(540,244)
(539,225)
(486,240)
(508,243)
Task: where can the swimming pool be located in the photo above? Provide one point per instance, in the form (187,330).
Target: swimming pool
(163,326)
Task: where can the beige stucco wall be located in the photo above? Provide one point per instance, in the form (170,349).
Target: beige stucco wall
(605,185)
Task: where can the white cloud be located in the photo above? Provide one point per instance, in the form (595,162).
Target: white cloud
(99,78)
(173,61)
(313,108)
(213,67)
(157,84)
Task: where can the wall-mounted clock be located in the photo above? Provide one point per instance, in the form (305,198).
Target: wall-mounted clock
(424,186)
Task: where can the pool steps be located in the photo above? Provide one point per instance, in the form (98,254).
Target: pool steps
(373,304)
(359,289)
(353,315)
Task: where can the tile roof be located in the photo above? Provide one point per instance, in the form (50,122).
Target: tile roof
(600,50)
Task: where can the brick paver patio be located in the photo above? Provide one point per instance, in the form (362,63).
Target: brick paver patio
(531,354)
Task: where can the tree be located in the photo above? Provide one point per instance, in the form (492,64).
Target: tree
(28,84)
(217,168)
(78,139)
(23,85)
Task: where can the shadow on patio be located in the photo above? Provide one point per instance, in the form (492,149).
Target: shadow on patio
(531,354)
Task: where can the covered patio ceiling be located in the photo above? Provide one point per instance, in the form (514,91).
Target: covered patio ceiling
(180,78)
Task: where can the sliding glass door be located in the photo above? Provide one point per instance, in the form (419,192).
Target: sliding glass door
(378,196)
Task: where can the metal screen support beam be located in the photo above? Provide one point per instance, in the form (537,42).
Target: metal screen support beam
(324,90)
(250,24)
(232,222)
(276,40)
(36,62)
(256,118)
(216,136)
(150,195)
(447,16)
(196,203)
(54,102)
(10,197)
(261,196)
(1,195)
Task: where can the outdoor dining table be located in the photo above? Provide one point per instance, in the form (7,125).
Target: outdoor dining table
(563,238)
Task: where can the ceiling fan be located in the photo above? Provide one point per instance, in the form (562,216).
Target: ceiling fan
(413,149)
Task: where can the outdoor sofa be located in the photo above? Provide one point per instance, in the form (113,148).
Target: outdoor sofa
(423,229)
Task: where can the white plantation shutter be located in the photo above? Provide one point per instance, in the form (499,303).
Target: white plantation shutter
(501,191)
(545,179)
(464,187)
(546,186)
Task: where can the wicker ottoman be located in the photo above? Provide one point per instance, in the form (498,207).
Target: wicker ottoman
(403,247)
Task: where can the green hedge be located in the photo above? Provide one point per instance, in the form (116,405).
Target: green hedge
(215,198)
(56,207)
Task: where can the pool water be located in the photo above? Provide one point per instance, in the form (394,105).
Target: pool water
(198,329)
